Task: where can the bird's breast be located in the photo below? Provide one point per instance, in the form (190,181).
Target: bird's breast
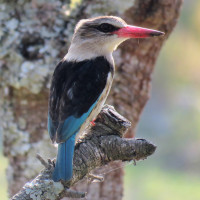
(99,104)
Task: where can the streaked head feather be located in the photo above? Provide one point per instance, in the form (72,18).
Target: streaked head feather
(88,42)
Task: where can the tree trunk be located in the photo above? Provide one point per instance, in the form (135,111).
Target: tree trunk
(35,35)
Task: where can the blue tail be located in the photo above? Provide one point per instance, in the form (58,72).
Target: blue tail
(64,162)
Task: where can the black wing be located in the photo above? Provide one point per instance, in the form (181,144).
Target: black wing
(75,87)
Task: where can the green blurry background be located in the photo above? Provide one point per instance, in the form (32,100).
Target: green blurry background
(171,120)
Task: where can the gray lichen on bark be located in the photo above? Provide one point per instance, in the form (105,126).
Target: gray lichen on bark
(99,145)
(31,44)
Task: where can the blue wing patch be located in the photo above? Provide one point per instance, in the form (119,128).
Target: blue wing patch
(60,132)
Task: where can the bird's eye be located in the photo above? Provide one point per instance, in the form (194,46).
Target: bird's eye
(106,28)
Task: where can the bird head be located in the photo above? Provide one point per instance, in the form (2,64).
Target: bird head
(101,36)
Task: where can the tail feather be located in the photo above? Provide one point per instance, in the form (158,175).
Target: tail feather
(64,162)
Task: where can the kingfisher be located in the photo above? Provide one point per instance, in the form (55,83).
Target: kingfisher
(81,83)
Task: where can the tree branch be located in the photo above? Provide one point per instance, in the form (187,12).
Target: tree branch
(99,145)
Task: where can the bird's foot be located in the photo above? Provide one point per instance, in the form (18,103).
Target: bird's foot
(93,122)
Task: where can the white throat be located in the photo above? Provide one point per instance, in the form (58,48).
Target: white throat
(89,49)
(79,53)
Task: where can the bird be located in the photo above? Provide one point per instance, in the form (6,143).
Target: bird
(81,83)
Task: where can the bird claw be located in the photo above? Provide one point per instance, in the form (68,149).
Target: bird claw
(93,122)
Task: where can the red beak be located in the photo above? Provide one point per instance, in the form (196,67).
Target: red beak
(137,32)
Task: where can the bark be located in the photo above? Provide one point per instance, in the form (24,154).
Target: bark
(100,145)
(35,35)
